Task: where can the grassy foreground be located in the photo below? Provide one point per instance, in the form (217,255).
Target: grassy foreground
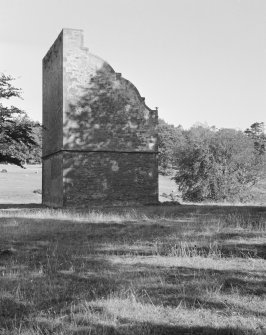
(156,270)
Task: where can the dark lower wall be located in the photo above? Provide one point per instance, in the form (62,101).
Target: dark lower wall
(52,181)
(106,178)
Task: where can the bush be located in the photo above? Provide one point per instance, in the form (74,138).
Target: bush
(217,165)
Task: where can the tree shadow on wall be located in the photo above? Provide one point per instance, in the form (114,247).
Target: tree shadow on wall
(108,114)
(108,127)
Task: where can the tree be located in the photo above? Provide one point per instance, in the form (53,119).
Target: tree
(217,165)
(256,132)
(16,130)
(171,140)
(34,153)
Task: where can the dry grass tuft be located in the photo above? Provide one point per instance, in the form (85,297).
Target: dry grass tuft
(94,216)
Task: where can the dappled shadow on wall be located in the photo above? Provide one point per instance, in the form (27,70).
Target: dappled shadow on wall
(111,130)
(109,114)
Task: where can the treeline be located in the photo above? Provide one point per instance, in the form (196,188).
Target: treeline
(213,164)
(207,163)
(20,137)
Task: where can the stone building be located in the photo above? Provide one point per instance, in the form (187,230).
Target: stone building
(99,137)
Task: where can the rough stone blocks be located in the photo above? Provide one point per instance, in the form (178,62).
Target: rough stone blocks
(99,138)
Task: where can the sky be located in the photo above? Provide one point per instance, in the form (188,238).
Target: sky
(198,61)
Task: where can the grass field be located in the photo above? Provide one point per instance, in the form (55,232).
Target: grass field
(17,185)
(154,270)
(151,270)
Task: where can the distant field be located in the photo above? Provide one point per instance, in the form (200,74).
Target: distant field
(163,270)
(17,185)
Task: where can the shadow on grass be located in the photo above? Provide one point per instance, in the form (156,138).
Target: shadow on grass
(66,262)
(21,206)
(127,327)
(12,310)
(254,250)
(184,209)
(195,281)
(151,329)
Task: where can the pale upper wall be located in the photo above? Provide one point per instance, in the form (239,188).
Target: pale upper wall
(87,106)
(102,110)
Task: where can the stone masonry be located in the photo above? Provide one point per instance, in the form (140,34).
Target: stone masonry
(99,138)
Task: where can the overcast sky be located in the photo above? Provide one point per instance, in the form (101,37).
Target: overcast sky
(197,60)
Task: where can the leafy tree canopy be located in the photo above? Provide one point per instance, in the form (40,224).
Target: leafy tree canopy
(218,165)
(256,132)
(171,141)
(17,131)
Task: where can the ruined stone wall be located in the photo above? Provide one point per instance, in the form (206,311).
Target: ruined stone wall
(53,98)
(102,110)
(109,135)
(52,185)
(110,178)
